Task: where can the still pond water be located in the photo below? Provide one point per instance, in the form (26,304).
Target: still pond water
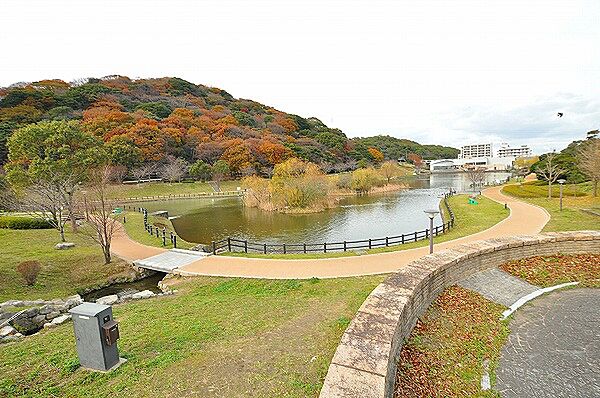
(374,216)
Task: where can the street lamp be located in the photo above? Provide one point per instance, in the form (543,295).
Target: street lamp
(431,213)
(561,182)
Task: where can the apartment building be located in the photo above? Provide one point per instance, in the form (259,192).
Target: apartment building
(476,151)
(506,150)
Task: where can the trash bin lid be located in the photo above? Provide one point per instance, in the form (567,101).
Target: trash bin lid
(89,309)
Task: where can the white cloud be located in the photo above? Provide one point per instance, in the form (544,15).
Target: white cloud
(432,70)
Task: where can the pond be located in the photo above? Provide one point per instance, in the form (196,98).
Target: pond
(356,217)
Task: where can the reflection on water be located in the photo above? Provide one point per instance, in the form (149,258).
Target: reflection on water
(204,220)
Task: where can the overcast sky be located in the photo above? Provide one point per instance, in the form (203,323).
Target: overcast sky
(437,71)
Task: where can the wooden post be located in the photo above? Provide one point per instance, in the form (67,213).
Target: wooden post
(387,241)
(265,248)
(214,247)
(402,238)
(284,249)
(369,243)
(415,236)
(344,245)
(229,243)
(175,241)
(325,247)
(304,248)
(164,236)
(246,246)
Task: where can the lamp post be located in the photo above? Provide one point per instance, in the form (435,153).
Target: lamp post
(431,213)
(561,182)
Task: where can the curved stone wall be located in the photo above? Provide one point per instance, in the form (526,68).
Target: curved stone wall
(364,364)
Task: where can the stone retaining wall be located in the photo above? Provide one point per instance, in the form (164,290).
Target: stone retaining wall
(364,364)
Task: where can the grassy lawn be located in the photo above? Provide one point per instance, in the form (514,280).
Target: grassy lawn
(444,355)
(63,271)
(216,337)
(572,217)
(135,229)
(547,271)
(164,189)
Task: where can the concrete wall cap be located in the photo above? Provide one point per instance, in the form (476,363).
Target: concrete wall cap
(363,353)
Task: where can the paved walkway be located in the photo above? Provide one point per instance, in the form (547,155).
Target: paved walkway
(498,286)
(554,348)
(524,219)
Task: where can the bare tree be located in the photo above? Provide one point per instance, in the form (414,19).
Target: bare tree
(142,171)
(44,200)
(102,223)
(174,169)
(550,171)
(477,176)
(589,161)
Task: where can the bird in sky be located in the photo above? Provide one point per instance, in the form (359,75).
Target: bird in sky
(559,114)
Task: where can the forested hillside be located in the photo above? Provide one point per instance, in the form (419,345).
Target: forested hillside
(396,148)
(152,120)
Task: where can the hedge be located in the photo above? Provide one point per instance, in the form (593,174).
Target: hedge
(16,222)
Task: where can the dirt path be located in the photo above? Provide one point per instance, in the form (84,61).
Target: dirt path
(524,219)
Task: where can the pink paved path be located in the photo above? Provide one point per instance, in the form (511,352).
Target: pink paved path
(524,219)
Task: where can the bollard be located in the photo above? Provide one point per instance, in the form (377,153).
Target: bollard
(175,241)
(164,236)
(124,220)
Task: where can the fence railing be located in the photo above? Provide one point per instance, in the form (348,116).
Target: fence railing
(183,196)
(230,244)
(163,234)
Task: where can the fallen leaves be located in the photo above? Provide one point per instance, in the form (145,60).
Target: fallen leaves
(547,271)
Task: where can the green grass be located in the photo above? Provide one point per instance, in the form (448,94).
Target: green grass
(572,217)
(216,337)
(122,191)
(444,354)
(63,271)
(135,229)
(536,190)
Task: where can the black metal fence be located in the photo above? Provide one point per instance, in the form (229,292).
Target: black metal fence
(153,230)
(238,245)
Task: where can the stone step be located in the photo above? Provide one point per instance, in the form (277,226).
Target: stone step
(498,286)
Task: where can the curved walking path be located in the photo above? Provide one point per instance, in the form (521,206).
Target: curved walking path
(524,219)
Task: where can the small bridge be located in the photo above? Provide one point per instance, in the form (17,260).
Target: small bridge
(171,260)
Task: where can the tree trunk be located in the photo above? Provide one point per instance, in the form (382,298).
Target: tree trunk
(549,189)
(72,213)
(61,229)
(106,250)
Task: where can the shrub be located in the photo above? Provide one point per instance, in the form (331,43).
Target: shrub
(363,180)
(14,222)
(29,270)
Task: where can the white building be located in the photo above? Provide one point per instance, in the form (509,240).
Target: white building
(506,150)
(476,151)
(488,163)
